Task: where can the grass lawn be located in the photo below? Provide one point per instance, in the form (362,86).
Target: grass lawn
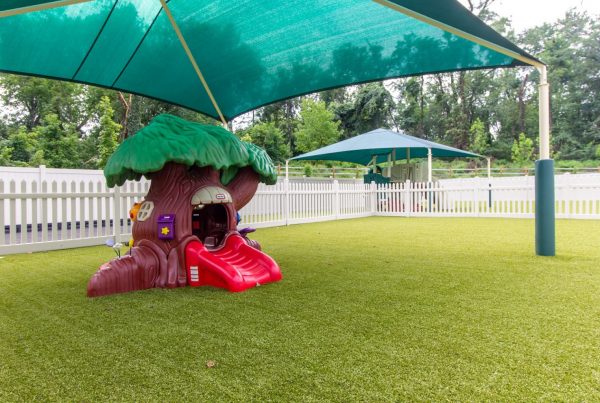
(368,310)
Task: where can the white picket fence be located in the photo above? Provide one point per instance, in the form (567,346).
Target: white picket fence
(579,201)
(48,215)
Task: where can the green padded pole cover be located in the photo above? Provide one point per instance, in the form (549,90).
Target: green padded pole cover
(545,244)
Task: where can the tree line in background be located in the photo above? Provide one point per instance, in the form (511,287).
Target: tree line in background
(490,112)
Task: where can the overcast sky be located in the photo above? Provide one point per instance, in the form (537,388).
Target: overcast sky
(529,13)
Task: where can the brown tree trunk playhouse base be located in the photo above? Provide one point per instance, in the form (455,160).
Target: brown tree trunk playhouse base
(185,229)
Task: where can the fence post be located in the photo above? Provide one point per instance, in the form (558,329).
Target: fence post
(336,199)
(429,197)
(117,213)
(373,190)
(41,173)
(476,200)
(286,192)
(408,199)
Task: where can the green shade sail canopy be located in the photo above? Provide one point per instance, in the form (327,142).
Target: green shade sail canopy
(250,53)
(380,143)
(172,139)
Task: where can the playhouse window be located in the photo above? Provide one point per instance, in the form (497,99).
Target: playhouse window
(145,210)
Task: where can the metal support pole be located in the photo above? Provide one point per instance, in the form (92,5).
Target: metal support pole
(545,230)
(389,165)
(286,192)
(373,164)
(429,167)
(544,119)
(489,175)
(287,169)
(192,59)
(429,176)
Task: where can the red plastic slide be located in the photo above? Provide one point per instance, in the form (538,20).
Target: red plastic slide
(235,266)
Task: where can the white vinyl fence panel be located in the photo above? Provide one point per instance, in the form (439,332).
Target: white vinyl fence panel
(52,215)
(580,201)
(69,211)
(291,202)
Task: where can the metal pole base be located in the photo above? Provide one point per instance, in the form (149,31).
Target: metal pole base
(545,231)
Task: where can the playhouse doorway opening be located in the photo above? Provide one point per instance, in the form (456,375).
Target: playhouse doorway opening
(210,223)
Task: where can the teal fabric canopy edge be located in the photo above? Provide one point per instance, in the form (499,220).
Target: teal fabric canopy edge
(381,142)
(449,12)
(443,11)
(6,5)
(228,117)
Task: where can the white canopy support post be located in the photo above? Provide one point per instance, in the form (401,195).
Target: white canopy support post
(489,175)
(287,169)
(374,163)
(544,94)
(429,167)
(545,230)
(429,179)
(389,165)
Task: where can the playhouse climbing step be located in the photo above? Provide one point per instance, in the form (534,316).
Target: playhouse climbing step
(235,267)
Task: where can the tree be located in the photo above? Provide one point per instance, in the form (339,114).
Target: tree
(284,115)
(269,137)
(522,150)
(317,127)
(108,131)
(24,146)
(372,108)
(411,106)
(480,140)
(5,153)
(33,98)
(59,142)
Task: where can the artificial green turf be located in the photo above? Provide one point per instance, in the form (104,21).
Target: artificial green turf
(369,310)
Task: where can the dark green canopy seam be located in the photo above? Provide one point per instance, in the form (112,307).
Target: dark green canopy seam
(95,40)
(136,50)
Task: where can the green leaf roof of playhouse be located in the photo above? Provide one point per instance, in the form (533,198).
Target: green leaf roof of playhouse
(171,139)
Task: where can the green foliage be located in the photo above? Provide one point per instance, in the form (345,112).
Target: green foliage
(269,137)
(25,147)
(522,150)
(284,115)
(372,107)
(5,153)
(375,309)
(308,170)
(479,138)
(317,127)
(411,107)
(60,143)
(108,131)
(172,139)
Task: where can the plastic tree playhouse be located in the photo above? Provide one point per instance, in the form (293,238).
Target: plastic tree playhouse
(185,229)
